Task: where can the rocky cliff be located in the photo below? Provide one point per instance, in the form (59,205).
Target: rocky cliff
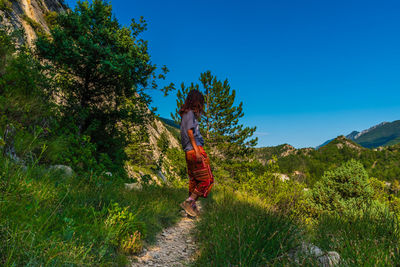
(29,15)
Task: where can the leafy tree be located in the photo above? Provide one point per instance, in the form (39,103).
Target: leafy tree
(220,121)
(345,190)
(102,71)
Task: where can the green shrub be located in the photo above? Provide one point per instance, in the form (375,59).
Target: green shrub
(177,162)
(137,150)
(51,18)
(344,191)
(162,144)
(285,196)
(125,227)
(5,5)
(25,105)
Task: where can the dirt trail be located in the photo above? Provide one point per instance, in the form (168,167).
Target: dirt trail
(174,247)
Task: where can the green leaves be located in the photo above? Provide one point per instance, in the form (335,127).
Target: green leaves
(102,71)
(344,190)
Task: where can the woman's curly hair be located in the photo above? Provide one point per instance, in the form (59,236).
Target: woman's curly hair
(195,102)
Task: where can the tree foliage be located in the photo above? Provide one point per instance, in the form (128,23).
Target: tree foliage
(220,121)
(102,70)
(343,191)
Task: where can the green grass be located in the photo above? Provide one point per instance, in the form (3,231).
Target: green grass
(237,230)
(369,240)
(51,220)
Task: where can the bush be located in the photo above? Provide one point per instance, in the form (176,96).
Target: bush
(177,162)
(285,196)
(344,191)
(25,106)
(51,18)
(5,5)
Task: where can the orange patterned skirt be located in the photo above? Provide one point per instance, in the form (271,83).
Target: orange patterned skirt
(201,179)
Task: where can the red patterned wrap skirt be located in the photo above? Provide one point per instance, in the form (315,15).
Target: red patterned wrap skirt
(201,179)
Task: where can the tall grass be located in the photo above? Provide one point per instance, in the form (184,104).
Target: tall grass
(368,240)
(237,230)
(52,220)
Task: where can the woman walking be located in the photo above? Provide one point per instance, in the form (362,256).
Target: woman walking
(198,164)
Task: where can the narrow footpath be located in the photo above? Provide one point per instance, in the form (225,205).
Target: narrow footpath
(174,247)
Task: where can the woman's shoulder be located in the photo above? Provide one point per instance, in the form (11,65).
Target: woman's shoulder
(188,113)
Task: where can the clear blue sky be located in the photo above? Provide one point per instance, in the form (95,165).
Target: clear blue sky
(306,71)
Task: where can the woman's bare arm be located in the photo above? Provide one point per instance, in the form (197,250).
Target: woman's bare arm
(195,147)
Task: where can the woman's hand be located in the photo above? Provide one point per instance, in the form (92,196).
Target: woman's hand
(199,156)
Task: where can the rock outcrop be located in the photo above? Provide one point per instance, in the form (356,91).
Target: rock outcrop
(66,170)
(324,259)
(29,15)
(155,129)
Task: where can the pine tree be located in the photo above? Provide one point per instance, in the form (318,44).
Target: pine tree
(220,122)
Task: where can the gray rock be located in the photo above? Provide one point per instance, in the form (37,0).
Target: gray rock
(108,174)
(161,175)
(325,259)
(332,258)
(312,250)
(67,170)
(8,146)
(155,256)
(133,186)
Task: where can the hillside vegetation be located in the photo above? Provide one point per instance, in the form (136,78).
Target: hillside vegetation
(89,175)
(309,164)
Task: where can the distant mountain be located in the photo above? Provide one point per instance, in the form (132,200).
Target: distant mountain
(383,134)
(170,122)
(352,135)
(386,133)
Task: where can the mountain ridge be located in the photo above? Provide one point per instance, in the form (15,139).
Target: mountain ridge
(382,134)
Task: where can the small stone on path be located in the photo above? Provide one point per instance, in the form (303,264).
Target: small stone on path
(174,247)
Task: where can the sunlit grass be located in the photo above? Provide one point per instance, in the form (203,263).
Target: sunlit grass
(237,230)
(369,240)
(51,220)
